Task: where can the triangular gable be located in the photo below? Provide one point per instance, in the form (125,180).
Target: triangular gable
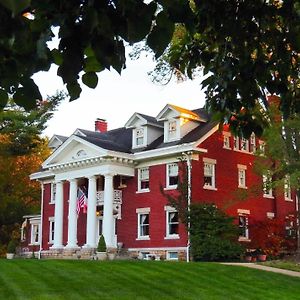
(135,120)
(78,132)
(74,149)
(173,111)
(56,141)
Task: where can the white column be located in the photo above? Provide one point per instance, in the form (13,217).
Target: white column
(91,214)
(72,224)
(58,216)
(108,219)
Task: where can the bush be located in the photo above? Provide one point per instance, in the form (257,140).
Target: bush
(101,244)
(214,237)
(11,247)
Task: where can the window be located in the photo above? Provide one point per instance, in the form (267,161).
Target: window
(35,238)
(242,176)
(172,224)
(226,141)
(143,180)
(143,225)
(172,175)
(243,227)
(172,255)
(290,228)
(262,147)
(172,130)
(51,230)
(139,137)
(236,143)
(267,186)
(209,173)
(252,143)
(244,144)
(287,189)
(53,193)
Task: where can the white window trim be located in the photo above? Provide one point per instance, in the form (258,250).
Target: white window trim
(170,209)
(134,137)
(169,258)
(142,211)
(168,186)
(246,215)
(167,138)
(252,142)
(243,140)
(140,190)
(32,225)
(52,196)
(242,168)
(270,215)
(51,220)
(287,190)
(226,135)
(268,195)
(211,162)
(236,141)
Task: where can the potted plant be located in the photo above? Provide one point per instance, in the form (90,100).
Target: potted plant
(11,249)
(101,249)
(248,256)
(261,255)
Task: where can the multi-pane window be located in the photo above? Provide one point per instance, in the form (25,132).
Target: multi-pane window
(51,231)
(53,193)
(252,143)
(143,225)
(209,175)
(143,184)
(242,176)
(287,188)
(172,129)
(226,141)
(172,255)
(236,142)
(267,185)
(35,233)
(262,148)
(243,226)
(139,136)
(290,228)
(172,175)
(244,144)
(172,223)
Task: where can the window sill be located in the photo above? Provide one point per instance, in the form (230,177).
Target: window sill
(171,187)
(143,191)
(50,243)
(242,187)
(288,199)
(34,244)
(227,148)
(210,188)
(244,239)
(172,237)
(143,238)
(268,196)
(51,202)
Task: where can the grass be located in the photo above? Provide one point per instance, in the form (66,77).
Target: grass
(63,279)
(281,264)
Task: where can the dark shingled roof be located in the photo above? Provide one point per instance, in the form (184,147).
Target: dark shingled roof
(121,139)
(151,120)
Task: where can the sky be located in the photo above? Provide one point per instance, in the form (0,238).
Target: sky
(117,97)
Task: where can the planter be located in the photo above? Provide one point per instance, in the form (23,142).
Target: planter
(248,258)
(111,256)
(262,257)
(10,255)
(101,255)
(253,259)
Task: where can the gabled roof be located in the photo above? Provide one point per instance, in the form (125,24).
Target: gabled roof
(145,120)
(179,112)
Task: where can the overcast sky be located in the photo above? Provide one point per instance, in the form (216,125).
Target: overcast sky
(117,97)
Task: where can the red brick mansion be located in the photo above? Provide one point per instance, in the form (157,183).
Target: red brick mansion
(119,173)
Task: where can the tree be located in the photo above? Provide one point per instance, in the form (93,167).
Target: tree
(247,48)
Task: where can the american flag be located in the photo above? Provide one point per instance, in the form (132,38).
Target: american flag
(81,200)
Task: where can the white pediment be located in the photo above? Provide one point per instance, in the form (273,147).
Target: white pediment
(136,120)
(72,150)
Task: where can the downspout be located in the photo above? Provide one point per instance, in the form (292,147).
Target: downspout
(189,194)
(41,227)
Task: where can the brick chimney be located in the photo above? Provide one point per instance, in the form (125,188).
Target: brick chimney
(100,125)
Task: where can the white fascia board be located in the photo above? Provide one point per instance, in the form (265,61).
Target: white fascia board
(164,110)
(41,175)
(72,138)
(207,135)
(168,151)
(130,123)
(79,132)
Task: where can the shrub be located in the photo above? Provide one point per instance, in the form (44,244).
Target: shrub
(213,235)
(101,244)
(11,247)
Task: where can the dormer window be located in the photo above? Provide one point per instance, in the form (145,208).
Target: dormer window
(171,131)
(139,137)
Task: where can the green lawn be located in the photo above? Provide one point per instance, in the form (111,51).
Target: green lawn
(281,264)
(62,279)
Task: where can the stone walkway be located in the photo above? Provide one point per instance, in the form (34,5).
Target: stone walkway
(265,268)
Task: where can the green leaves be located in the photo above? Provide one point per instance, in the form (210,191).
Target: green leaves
(90,79)
(3,99)
(15,6)
(161,34)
